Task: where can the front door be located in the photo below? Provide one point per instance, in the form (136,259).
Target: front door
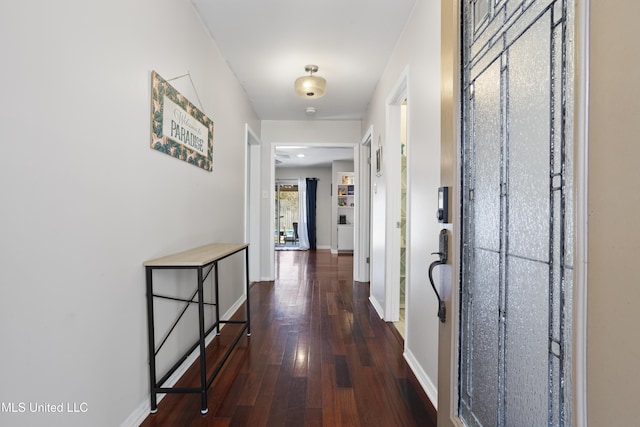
(517,234)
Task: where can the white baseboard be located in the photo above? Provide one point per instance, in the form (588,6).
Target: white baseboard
(377,307)
(138,416)
(427,385)
(143,410)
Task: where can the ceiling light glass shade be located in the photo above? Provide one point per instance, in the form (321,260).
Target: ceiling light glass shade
(310,86)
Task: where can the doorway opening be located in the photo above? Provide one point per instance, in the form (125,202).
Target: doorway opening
(287,213)
(324,220)
(395,166)
(400,324)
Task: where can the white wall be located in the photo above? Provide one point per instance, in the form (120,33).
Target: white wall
(418,50)
(323,133)
(323,199)
(85,200)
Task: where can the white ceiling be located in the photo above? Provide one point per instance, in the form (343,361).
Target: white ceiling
(267,44)
(301,156)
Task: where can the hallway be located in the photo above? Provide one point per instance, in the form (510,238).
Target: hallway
(318,356)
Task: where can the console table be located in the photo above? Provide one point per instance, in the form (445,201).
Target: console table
(203,259)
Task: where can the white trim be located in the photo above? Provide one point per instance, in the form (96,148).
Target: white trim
(427,385)
(581,174)
(377,306)
(400,89)
(252,199)
(362,267)
(391,150)
(357,230)
(408,240)
(143,410)
(272,209)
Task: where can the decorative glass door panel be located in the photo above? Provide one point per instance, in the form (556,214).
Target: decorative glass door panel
(516,286)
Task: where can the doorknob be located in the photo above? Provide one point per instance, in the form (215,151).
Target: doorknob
(442,259)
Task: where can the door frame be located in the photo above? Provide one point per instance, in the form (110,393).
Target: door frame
(363,266)
(398,94)
(252,201)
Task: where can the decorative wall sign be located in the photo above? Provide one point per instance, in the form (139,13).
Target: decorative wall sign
(179,128)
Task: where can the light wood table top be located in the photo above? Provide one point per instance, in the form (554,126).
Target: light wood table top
(197,257)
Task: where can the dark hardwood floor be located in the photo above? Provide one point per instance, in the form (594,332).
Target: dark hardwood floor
(318,355)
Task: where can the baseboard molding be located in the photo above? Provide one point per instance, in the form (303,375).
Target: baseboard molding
(427,385)
(323,247)
(143,410)
(138,416)
(377,307)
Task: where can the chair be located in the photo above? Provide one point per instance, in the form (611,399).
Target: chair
(292,238)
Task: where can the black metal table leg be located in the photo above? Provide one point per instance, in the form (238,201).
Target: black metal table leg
(203,360)
(248,310)
(216,296)
(151,335)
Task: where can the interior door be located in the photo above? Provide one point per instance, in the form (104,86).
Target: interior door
(517,233)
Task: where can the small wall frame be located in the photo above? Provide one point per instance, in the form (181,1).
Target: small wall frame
(379,160)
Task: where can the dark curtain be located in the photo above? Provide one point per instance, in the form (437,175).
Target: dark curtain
(312,188)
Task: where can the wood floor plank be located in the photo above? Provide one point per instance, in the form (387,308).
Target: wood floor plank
(330,413)
(319,355)
(313,417)
(260,411)
(296,402)
(301,362)
(347,405)
(343,378)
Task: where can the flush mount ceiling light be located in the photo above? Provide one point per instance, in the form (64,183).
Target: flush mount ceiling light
(310,87)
